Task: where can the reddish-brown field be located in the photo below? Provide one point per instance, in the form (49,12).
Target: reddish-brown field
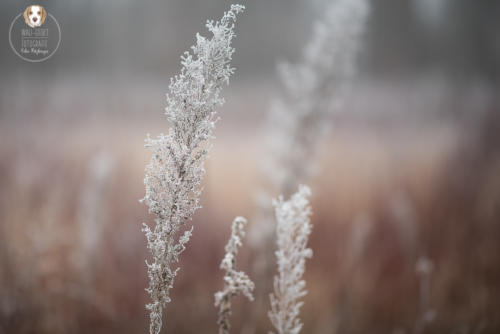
(386,194)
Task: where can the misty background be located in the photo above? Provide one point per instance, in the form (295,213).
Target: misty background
(452,43)
(414,152)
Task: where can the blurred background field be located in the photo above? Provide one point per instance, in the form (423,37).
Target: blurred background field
(411,169)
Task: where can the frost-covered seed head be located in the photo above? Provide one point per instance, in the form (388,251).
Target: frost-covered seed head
(235,282)
(313,89)
(175,172)
(292,233)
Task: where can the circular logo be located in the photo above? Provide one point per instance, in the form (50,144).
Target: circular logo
(34,35)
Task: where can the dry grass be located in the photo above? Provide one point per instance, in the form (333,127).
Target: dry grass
(455,202)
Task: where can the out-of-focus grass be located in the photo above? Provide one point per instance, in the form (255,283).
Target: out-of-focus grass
(425,190)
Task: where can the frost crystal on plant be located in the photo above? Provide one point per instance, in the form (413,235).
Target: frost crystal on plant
(292,232)
(174,174)
(235,282)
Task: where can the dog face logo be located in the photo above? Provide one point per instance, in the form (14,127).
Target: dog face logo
(34,16)
(34,34)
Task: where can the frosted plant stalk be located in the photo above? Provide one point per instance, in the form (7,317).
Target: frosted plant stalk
(405,221)
(297,122)
(175,171)
(424,268)
(91,209)
(292,233)
(361,229)
(235,282)
(313,89)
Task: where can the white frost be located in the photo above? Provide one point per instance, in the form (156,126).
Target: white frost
(292,232)
(174,174)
